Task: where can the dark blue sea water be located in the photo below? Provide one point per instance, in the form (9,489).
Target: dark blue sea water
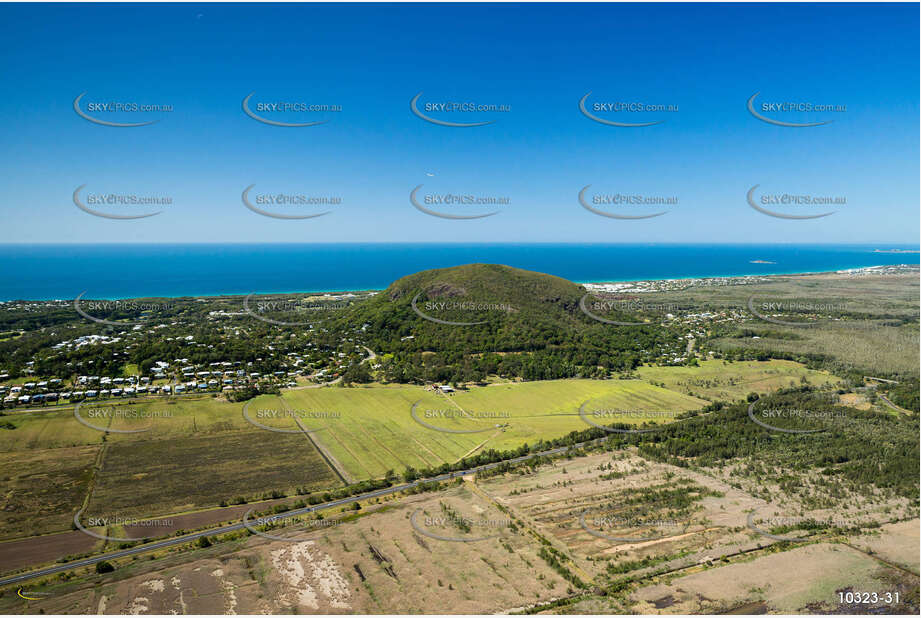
(46,272)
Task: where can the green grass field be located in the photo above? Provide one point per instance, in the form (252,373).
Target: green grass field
(375,430)
(730,381)
(197,451)
(161,419)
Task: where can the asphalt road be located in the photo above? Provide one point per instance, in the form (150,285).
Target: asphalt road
(892,405)
(295,513)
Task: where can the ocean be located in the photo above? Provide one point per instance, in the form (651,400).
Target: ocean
(46,272)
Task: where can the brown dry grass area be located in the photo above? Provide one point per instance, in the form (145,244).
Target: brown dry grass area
(402,571)
(802,580)
(375,561)
(40,490)
(897,543)
(552,501)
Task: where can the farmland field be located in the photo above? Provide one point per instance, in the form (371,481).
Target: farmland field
(195,452)
(731,381)
(158,477)
(524,547)
(162,418)
(376,430)
(42,489)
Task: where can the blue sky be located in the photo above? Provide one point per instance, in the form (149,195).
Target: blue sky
(539,59)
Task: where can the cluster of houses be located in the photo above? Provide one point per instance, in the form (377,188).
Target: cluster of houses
(223,376)
(672,285)
(26,393)
(38,392)
(179,377)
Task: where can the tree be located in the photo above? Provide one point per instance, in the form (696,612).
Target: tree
(410,474)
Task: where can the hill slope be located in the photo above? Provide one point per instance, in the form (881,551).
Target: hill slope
(466,322)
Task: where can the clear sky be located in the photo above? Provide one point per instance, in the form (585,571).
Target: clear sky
(539,60)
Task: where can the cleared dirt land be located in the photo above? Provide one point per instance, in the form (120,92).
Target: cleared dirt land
(802,580)
(373,564)
(504,544)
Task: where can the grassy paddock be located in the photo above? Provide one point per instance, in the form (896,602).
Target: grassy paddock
(730,381)
(376,432)
(196,452)
(170,476)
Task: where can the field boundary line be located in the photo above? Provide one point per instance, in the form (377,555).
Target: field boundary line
(97,468)
(480,445)
(321,452)
(313,443)
(91,486)
(881,560)
(531,528)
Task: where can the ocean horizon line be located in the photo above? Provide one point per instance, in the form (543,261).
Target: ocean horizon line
(879,244)
(384,287)
(193,270)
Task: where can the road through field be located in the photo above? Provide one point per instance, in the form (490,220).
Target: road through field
(295,513)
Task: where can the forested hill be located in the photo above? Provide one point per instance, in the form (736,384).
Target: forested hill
(522,287)
(465,322)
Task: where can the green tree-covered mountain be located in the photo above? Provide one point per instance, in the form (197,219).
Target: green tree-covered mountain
(466,322)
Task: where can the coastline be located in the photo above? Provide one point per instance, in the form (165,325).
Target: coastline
(846,270)
(855,270)
(196,271)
